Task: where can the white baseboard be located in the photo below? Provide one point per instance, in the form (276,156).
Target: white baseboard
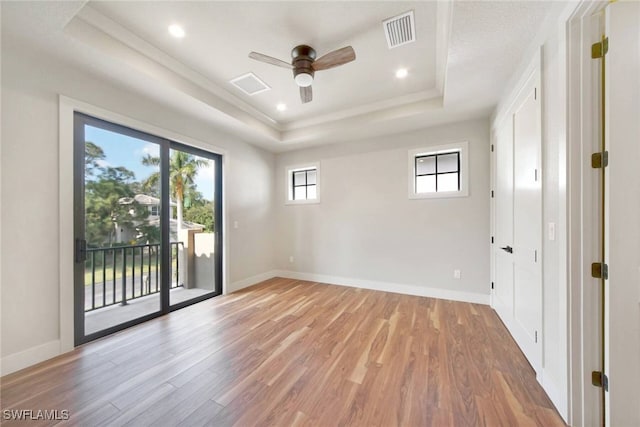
(388,287)
(553,391)
(250,281)
(31,356)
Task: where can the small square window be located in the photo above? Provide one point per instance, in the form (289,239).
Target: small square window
(303,184)
(439,171)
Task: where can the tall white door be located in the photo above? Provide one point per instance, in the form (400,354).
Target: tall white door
(622,124)
(517,295)
(503,239)
(527,227)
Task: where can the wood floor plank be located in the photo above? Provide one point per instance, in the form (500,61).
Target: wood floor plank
(295,353)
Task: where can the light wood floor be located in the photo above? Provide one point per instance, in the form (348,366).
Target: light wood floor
(288,353)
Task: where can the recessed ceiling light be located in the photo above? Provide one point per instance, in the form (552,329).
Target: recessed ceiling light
(176,31)
(281,107)
(402,73)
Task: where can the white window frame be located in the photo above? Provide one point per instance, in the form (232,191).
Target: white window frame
(289,170)
(462,147)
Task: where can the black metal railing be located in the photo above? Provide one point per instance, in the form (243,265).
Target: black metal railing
(119,274)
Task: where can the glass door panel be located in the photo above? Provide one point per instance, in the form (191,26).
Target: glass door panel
(118,233)
(193,224)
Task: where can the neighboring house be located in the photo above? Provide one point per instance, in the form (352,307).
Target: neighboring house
(126,232)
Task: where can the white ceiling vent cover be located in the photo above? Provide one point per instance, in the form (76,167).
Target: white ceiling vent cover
(250,84)
(400,29)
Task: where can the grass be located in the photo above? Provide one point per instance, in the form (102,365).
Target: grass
(129,271)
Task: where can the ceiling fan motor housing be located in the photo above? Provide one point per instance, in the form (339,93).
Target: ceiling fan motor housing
(303,56)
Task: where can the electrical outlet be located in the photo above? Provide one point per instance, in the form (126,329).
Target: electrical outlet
(456,274)
(291,259)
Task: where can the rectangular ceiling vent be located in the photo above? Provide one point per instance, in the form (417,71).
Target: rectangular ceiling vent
(400,29)
(250,84)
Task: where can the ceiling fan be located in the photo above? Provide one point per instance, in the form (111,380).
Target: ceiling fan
(304,64)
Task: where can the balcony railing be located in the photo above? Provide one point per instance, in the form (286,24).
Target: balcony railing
(120,274)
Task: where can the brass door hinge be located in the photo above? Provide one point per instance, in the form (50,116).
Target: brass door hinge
(600,160)
(599,379)
(600,49)
(600,270)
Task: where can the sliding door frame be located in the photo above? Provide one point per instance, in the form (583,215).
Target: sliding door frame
(81,119)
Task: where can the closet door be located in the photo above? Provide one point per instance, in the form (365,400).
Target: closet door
(527,228)
(503,243)
(517,295)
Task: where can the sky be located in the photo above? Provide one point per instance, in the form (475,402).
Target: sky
(122,150)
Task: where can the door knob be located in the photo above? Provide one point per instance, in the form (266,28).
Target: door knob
(508,249)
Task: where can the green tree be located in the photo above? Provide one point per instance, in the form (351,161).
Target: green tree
(93,153)
(103,209)
(183,168)
(105,187)
(201,214)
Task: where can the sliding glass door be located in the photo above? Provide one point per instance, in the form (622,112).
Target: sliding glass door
(147,226)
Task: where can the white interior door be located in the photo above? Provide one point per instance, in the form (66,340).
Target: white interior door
(622,124)
(517,294)
(503,239)
(527,224)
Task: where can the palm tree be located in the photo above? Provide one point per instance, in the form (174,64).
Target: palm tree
(183,168)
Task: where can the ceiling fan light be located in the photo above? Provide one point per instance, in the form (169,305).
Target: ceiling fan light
(304,79)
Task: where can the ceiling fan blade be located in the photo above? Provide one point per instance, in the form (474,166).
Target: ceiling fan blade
(306,94)
(334,59)
(270,60)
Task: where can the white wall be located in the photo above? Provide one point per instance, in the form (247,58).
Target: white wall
(367,232)
(552,38)
(31,83)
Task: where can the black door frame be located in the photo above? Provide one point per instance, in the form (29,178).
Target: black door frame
(79,121)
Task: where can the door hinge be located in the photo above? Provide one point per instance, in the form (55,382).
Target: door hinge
(492,148)
(535,175)
(81,250)
(535,255)
(536,336)
(492,194)
(599,379)
(600,270)
(535,93)
(491,239)
(600,160)
(491,285)
(600,49)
